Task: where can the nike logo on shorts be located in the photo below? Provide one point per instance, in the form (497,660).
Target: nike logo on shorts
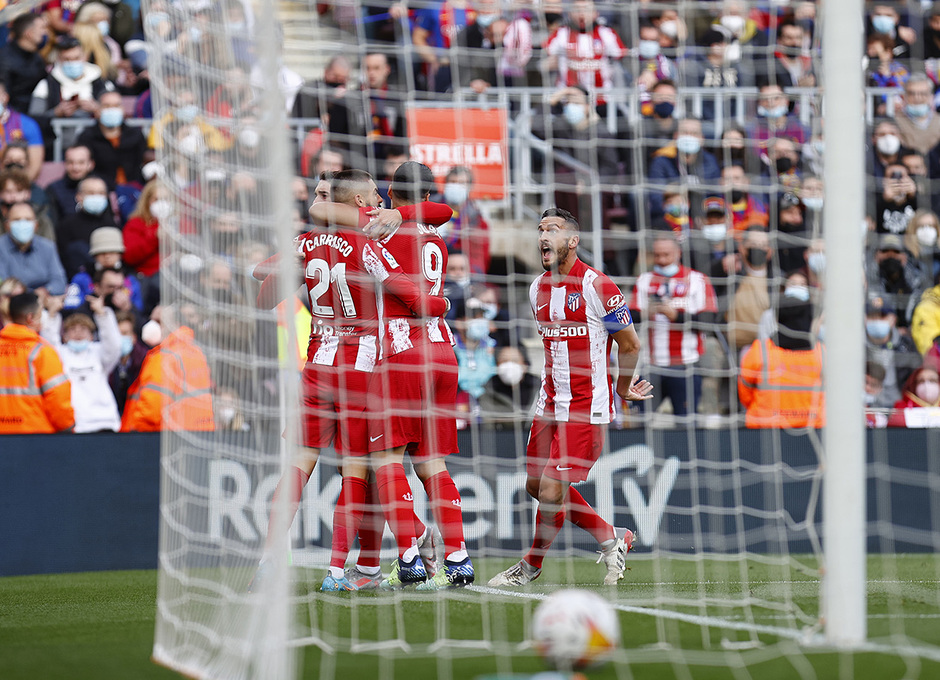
(562,469)
(375,439)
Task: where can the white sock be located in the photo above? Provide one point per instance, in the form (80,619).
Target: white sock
(457,556)
(369,571)
(410,554)
(336,572)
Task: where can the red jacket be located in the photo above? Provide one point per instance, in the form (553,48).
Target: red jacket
(142,246)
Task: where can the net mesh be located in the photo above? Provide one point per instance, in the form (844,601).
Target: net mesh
(726,570)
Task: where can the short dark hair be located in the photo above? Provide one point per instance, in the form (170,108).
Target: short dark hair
(23,305)
(21,24)
(570,221)
(325,176)
(97,276)
(875,370)
(346,183)
(413,181)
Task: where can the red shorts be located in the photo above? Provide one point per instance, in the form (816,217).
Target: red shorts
(563,451)
(415,402)
(333,404)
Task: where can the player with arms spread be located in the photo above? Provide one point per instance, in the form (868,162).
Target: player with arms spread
(341,266)
(579,312)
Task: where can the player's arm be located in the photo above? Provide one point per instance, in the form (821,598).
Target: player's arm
(630,387)
(267,267)
(396,282)
(385,221)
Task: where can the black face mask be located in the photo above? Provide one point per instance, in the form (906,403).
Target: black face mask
(891,269)
(553,18)
(737,195)
(756,257)
(783,165)
(664,109)
(791,227)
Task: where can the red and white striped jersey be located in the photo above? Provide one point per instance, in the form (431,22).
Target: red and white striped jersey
(342,294)
(673,344)
(576,319)
(418,251)
(586,58)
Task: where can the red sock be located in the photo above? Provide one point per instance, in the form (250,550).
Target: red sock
(293,480)
(346,518)
(371,529)
(581,514)
(545,533)
(397,503)
(445,502)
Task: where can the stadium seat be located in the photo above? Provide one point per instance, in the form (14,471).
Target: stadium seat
(51,171)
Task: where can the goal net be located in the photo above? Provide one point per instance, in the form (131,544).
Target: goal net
(684,135)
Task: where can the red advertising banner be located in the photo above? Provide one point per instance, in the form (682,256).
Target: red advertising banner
(476,138)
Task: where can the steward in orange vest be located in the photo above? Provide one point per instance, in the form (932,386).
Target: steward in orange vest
(781,380)
(35,394)
(173,390)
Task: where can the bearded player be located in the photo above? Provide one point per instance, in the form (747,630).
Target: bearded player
(579,312)
(341,267)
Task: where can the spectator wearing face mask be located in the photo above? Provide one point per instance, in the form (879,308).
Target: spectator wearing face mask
(714,70)
(467,231)
(884,71)
(87,363)
(780,382)
(874,383)
(18,128)
(815,256)
(658,124)
(920,240)
(15,187)
(475,351)
(893,274)
(885,20)
(896,203)
(792,235)
(117,149)
(29,257)
(511,393)
(921,391)
(885,149)
(795,288)
(751,297)
(650,65)
(917,119)
(684,160)
(710,246)
(128,366)
(70,90)
(673,301)
(92,211)
(885,346)
(774,118)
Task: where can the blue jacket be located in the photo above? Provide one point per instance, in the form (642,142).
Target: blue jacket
(37,267)
(664,169)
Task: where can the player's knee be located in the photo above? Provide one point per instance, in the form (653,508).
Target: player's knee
(532,488)
(551,493)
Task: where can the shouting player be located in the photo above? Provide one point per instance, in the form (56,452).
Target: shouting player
(579,312)
(340,267)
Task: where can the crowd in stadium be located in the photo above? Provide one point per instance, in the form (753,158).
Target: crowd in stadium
(698,121)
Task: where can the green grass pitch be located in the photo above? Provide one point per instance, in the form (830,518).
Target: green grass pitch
(100,625)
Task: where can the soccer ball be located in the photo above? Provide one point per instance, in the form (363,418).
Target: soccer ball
(574,629)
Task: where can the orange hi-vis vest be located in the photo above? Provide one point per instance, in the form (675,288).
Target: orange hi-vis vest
(782,388)
(35,394)
(173,390)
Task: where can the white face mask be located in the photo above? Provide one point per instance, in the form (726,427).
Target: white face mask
(714,232)
(161,209)
(456,193)
(733,23)
(888,144)
(669,28)
(870,399)
(928,391)
(799,293)
(927,236)
(510,372)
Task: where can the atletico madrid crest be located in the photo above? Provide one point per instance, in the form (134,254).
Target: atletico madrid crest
(574,301)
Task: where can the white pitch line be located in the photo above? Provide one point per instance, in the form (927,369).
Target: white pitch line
(714,621)
(807,637)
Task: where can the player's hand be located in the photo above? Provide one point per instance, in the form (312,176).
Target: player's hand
(383,224)
(635,389)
